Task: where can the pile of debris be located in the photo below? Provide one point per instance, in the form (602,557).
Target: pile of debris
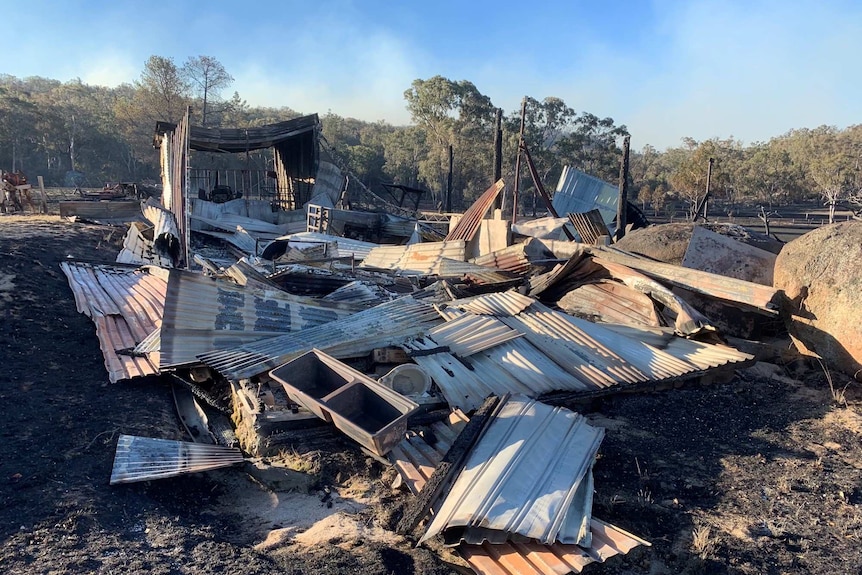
(481,337)
(478,338)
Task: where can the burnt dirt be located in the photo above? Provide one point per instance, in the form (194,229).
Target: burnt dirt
(759,475)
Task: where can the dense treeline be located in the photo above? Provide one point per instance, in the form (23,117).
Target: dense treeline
(76,134)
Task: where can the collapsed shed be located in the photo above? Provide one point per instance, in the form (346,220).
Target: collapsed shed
(467,326)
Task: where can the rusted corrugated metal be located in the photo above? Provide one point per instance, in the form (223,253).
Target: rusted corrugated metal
(530,558)
(469,223)
(529,474)
(512,259)
(589,225)
(390,323)
(419,259)
(610,302)
(203,314)
(126,305)
(763,298)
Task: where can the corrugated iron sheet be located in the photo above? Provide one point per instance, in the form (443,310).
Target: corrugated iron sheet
(579,192)
(504,303)
(532,558)
(126,305)
(761,297)
(560,353)
(469,223)
(344,247)
(203,314)
(469,334)
(164,222)
(138,247)
(328,185)
(590,225)
(415,459)
(529,474)
(419,259)
(238,140)
(358,292)
(390,323)
(610,302)
(512,259)
(240,239)
(230,222)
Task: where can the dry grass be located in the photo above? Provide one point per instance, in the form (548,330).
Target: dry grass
(702,542)
(839,395)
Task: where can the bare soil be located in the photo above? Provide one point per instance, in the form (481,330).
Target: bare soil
(760,475)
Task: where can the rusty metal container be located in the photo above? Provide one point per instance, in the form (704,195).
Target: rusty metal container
(368,412)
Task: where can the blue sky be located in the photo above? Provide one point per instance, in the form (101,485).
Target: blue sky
(666,69)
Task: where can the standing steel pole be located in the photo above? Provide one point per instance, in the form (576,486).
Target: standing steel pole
(623,200)
(518,162)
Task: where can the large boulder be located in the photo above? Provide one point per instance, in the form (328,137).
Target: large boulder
(821,275)
(668,242)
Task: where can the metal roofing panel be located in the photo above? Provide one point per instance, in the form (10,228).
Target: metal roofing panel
(163,220)
(761,297)
(579,192)
(512,367)
(469,223)
(345,247)
(511,259)
(358,292)
(138,247)
(523,474)
(561,353)
(610,302)
(530,558)
(238,140)
(391,323)
(202,314)
(503,303)
(239,239)
(416,460)
(469,334)
(126,305)
(424,258)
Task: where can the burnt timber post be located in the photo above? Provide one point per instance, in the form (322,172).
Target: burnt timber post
(701,209)
(623,201)
(498,154)
(449,181)
(518,162)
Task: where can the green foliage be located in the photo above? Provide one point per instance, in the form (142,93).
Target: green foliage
(50,128)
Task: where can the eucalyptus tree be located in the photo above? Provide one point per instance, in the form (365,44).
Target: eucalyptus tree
(17,139)
(206,78)
(454,114)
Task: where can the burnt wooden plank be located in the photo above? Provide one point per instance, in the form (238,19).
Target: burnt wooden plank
(449,467)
